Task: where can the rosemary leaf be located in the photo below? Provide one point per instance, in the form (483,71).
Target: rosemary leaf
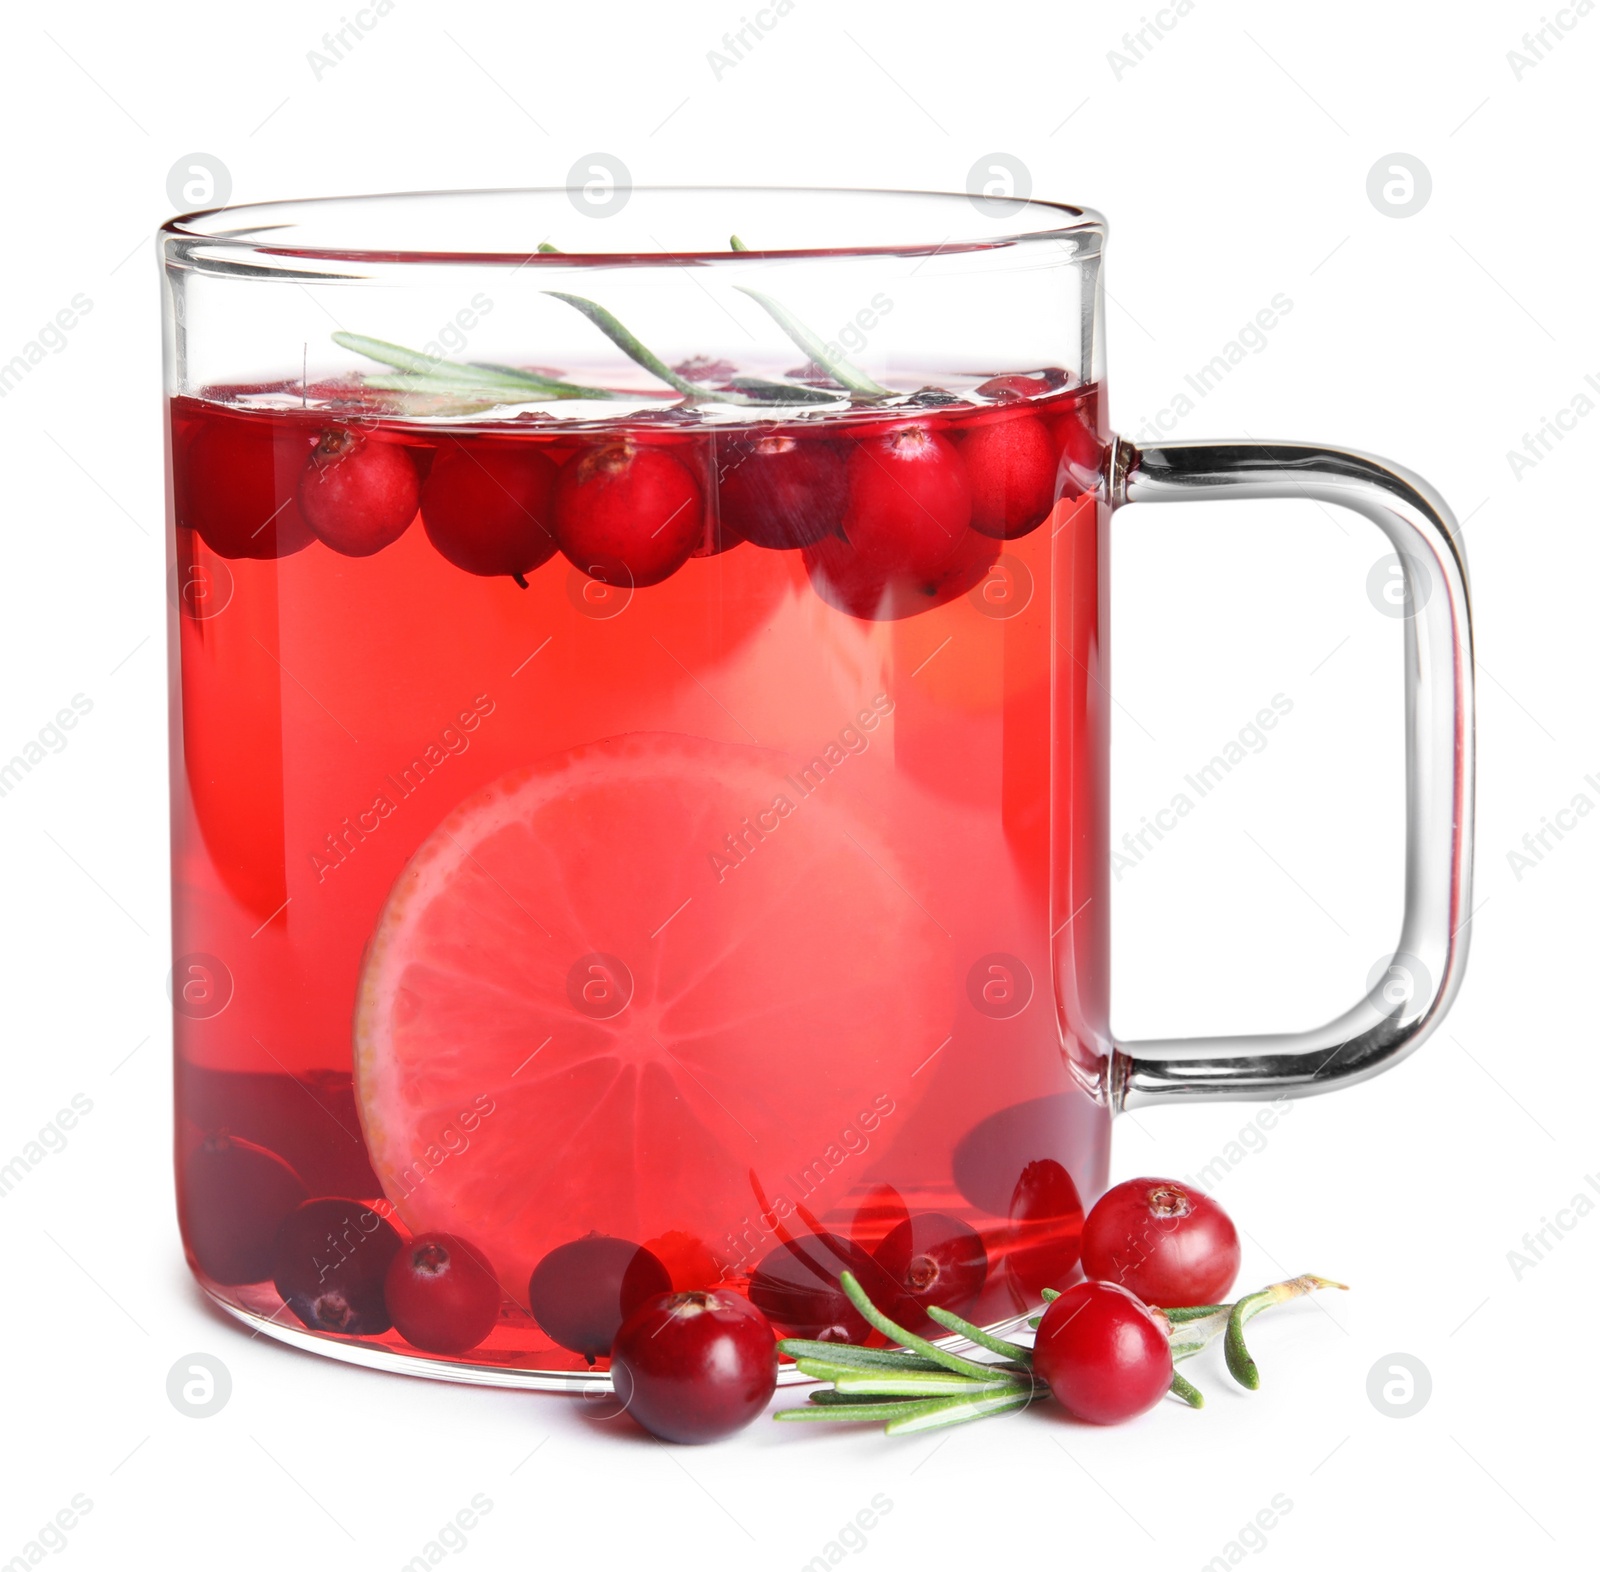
(846,374)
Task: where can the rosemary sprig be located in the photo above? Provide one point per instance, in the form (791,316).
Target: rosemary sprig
(959,1411)
(1013,1352)
(874,1317)
(1188,1336)
(855,1356)
(758,390)
(1240,1365)
(920,1386)
(909,1417)
(629,345)
(487,384)
(917,1383)
(916,1386)
(415,372)
(1189,1393)
(431,374)
(765,391)
(843,371)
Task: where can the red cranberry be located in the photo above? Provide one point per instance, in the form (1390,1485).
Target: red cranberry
(689,1263)
(235,486)
(970,566)
(780,491)
(627,514)
(694,1367)
(934,1260)
(1081,452)
(235,1197)
(1011,387)
(854,583)
(487,507)
(1012,462)
(1047,1224)
(329,1264)
(796,1286)
(715,538)
(1163,1241)
(910,502)
(907,545)
(358,495)
(442,1294)
(1104,1354)
(585,1289)
(881,1210)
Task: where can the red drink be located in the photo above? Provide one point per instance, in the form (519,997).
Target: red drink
(688,832)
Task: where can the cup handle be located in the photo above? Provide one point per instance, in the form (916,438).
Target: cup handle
(1390,1021)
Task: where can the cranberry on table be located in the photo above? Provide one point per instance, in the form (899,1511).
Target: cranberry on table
(796,1286)
(1104,1353)
(934,1260)
(582,1291)
(780,491)
(329,1264)
(358,493)
(627,513)
(1012,464)
(235,1197)
(696,1366)
(442,1293)
(235,487)
(489,508)
(1162,1240)
(1046,1228)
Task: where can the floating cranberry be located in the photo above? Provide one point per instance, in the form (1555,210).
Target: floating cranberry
(854,583)
(329,1264)
(582,1291)
(970,566)
(442,1293)
(1009,388)
(235,1197)
(1161,1240)
(906,543)
(1046,1227)
(934,1260)
(357,494)
(910,502)
(796,1286)
(488,508)
(235,485)
(689,1263)
(1104,1354)
(627,513)
(694,1367)
(1012,463)
(881,1210)
(1082,454)
(780,491)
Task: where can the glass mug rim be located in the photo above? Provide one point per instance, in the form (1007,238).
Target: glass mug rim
(214,240)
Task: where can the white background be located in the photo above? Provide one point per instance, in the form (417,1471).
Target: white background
(1232,162)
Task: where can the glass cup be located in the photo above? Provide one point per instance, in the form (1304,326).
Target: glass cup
(639,761)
